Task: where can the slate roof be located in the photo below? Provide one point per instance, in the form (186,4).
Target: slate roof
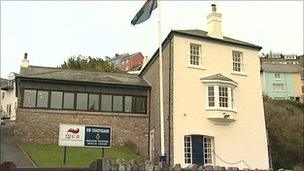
(282,68)
(3,81)
(218,76)
(204,34)
(82,76)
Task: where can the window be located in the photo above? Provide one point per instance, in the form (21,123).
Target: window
(223,96)
(128,103)
(42,99)
(237,58)
(207,150)
(211,97)
(195,54)
(56,100)
(29,98)
(68,100)
(220,96)
(188,149)
(117,103)
(82,101)
(278,87)
(140,105)
(277,76)
(302,77)
(93,102)
(3,95)
(106,102)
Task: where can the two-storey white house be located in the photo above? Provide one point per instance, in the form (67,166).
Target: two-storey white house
(213,104)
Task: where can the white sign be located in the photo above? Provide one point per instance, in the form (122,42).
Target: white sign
(71,135)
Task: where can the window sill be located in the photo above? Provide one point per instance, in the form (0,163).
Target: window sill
(196,67)
(238,73)
(220,109)
(279,90)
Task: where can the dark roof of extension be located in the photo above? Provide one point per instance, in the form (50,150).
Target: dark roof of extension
(199,34)
(38,72)
(282,68)
(3,81)
(218,76)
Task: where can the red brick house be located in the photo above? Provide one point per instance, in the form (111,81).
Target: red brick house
(132,61)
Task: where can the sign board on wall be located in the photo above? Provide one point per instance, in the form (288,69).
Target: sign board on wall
(84,136)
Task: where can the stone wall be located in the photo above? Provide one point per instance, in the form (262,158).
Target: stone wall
(42,126)
(152,77)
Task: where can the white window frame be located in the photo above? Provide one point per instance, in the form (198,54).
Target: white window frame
(277,76)
(273,87)
(195,55)
(230,90)
(208,150)
(240,62)
(185,151)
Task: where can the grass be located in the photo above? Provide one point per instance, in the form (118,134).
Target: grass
(52,155)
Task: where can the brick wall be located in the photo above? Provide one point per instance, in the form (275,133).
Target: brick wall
(42,126)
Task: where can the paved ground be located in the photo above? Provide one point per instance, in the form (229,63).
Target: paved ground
(9,150)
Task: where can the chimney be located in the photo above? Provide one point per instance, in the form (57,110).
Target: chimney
(25,61)
(214,23)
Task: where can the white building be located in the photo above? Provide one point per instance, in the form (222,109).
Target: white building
(213,106)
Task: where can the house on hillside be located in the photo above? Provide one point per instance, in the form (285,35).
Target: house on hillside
(132,62)
(8,98)
(280,58)
(49,96)
(283,81)
(213,107)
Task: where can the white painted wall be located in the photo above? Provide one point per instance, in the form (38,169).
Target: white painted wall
(244,139)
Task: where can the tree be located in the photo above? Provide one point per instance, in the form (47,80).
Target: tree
(90,64)
(284,122)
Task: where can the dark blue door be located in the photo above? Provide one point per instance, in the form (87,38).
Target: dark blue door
(197,150)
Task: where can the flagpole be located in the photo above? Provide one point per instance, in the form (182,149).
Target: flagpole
(161,108)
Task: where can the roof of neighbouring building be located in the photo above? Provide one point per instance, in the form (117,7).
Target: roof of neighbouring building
(218,76)
(82,76)
(132,55)
(204,34)
(282,68)
(200,34)
(3,80)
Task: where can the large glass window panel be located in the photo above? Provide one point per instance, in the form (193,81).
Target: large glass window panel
(106,102)
(56,100)
(93,102)
(117,103)
(42,99)
(68,100)
(29,98)
(140,105)
(128,103)
(82,101)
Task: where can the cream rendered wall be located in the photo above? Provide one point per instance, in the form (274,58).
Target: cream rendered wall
(244,139)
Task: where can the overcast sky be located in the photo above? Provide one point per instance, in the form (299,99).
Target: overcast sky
(51,32)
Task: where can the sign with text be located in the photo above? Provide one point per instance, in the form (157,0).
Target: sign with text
(97,136)
(84,136)
(71,135)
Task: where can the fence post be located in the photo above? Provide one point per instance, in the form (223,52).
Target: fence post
(8,166)
(134,165)
(105,164)
(177,167)
(148,166)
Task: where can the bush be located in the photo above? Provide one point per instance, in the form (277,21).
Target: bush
(284,122)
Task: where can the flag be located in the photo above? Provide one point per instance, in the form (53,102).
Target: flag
(145,12)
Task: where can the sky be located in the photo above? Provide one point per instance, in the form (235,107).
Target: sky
(52,31)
